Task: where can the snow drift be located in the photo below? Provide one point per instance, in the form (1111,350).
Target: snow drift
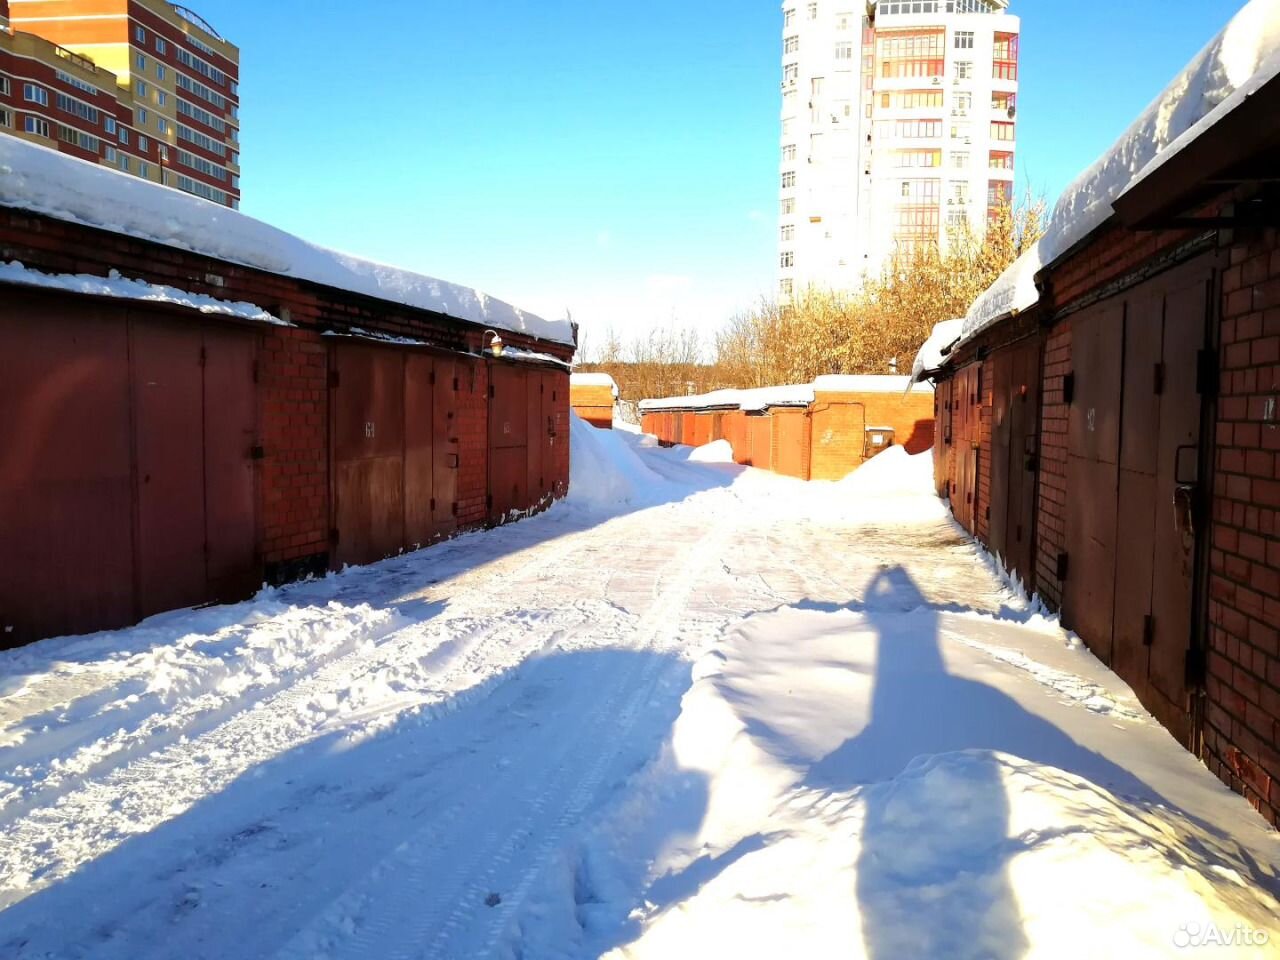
(605,473)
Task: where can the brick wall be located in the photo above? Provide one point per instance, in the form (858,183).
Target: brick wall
(293,417)
(1242,720)
(1051,498)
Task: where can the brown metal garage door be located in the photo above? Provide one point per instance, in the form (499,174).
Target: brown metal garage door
(126,479)
(1015,418)
(1134,450)
(508,442)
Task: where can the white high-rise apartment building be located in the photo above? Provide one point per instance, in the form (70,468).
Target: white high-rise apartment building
(897,127)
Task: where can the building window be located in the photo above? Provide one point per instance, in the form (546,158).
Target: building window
(917,158)
(791,73)
(144,169)
(1001,131)
(789,152)
(161,46)
(124,136)
(844,50)
(1001,160)
(142,118)
(36,126)
(999,194)
(788,231)
(813,11)
(964,69)
(786,287)
(142,63)
(921,191)
(124,162)
(1005,66)
(911,99)
(787,259)
(33,94)
(788,17)
(960,159)
(140,89)
(788,206)
(160,126)
(109,153)
(161,98)
(844,21)
(77,108)
(109,124)
(4,86)
(964,103)
(139,34)
(791,45)
(161,73)
(143,144)
(910,129)
(960,191)
(964,39)
(788,180)
(6,119)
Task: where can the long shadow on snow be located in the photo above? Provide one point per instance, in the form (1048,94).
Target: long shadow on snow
(246,867)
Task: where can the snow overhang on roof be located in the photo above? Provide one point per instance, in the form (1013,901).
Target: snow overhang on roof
(933,352)
(754,400)
(1240,61)
(594,380)
(65,188)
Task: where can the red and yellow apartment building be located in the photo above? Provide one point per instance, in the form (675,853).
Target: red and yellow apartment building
(144,86)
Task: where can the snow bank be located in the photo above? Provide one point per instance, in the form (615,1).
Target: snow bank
(719,451)
(805,805)
(57,185)
(1234,65)
(930,355)
(594,380)
(605,473)
(116,286)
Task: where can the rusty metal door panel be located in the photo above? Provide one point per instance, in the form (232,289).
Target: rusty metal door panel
(419,447)
(169,420)
(368,509)
(508,442)
(1024,426)
(540,463)
(508,395)
(761,428)
(369,419)
(445,447)
(367,410)
(1089,593)
(1186,306)
(941,437)
(1003,387)
(507,484)
(1093,422)
(230,435)
(1140,417)
(66,491)
(1139,427)
(557,465)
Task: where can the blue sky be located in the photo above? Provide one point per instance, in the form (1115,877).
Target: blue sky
(617,160)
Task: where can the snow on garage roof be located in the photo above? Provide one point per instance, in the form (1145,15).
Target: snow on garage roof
(868,383)
(594,380)
(753,400)
(1238,61)
(930,356)
(44,181)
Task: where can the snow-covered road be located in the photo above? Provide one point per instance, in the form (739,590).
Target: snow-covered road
(603,728)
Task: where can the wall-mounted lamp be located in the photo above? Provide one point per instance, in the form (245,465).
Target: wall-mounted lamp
(495,343)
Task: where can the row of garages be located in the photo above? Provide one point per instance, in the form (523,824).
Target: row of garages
(1108,425)
(819,431)
(156,456)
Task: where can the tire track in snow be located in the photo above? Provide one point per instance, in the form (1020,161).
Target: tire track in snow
(95,815)
(385,915)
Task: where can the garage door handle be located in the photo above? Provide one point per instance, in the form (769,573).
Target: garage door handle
(1184,522)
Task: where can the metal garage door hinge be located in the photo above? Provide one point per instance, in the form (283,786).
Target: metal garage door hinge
(1207,380)
(1064,564)
(1197,667)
